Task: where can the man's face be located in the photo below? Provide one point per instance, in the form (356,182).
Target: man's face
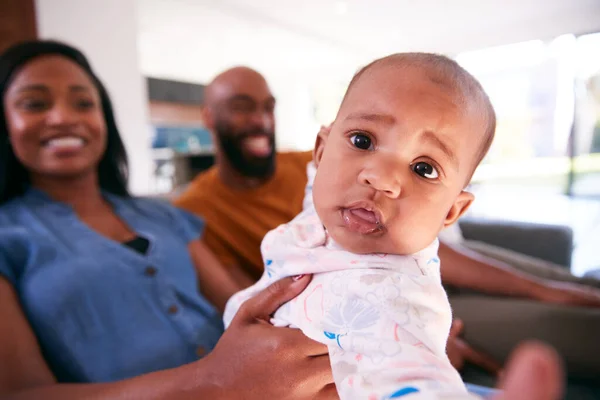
(392,170)
(244,126)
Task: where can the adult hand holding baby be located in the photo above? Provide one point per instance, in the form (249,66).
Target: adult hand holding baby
(255,360)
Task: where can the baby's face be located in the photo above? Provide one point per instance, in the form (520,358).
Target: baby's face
(391,172)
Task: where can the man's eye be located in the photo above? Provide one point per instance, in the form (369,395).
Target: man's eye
(361,141)
(243,107)
(425,170)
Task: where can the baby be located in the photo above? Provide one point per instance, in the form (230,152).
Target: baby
(390,175)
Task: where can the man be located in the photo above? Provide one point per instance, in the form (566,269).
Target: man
(252,189)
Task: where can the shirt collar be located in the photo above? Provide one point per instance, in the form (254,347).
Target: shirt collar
(37,197)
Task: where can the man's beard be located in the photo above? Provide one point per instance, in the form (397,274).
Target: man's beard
(232,144)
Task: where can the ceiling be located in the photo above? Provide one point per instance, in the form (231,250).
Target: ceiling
(192,40)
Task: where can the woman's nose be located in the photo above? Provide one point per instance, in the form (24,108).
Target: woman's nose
(61,114)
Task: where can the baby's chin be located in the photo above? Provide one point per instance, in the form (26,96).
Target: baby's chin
(372,243)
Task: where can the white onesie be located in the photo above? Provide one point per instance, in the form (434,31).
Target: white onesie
(385,318)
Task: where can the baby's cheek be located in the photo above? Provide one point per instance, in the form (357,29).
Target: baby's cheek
(411,235)
(325,195)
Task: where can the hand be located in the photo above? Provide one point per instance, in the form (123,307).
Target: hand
(568,293)
(534,372)
(255,360)
(459,352)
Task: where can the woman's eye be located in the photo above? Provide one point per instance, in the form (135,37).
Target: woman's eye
(34,105)
(425,170)
(362,141)
(85,104)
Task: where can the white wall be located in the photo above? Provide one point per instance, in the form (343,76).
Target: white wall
(106,31)
(296,125)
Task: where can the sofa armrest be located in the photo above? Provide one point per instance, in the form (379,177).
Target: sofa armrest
(552,243)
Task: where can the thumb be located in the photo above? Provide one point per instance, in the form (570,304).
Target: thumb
(533,373)
(456,328)
(270,299)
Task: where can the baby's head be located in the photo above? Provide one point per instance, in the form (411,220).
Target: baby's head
(392,170)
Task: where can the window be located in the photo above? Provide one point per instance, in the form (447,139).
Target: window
(546,96)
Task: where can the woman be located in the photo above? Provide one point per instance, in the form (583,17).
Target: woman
(97,286)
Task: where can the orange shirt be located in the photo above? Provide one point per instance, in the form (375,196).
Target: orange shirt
(237,220)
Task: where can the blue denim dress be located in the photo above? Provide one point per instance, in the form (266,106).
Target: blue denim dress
(102,311)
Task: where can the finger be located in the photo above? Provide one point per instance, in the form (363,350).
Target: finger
(320,370)
(329,392)
(480,359)
(534,373)
(314,375)
(309,347)
(456,327)
(270,299)
(295,339)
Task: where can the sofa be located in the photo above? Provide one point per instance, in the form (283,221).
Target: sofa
(553,243)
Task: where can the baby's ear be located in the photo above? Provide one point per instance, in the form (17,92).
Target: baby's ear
(320,143)
(461,205)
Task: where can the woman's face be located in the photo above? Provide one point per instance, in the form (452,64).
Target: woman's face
(54,118)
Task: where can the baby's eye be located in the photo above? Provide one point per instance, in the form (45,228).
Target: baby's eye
(425,170)
(361,141)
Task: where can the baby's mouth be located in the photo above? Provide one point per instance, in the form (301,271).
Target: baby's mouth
(362,220)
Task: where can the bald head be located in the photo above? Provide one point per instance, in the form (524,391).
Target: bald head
(448,74)
(235,80)
(239,111)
